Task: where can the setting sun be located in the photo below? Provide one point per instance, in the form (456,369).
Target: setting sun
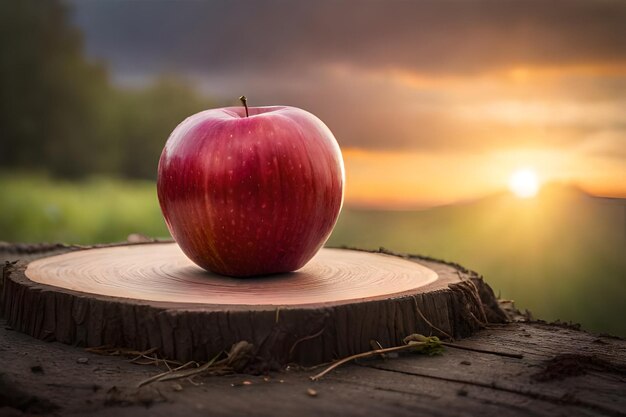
(524,183)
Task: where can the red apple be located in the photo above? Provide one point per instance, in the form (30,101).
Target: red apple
(251,195)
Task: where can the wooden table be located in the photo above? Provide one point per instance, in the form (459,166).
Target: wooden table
(564,371)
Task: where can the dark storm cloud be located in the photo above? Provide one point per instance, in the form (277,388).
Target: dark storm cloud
(426,36)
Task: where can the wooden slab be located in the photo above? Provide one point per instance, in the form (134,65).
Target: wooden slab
(163,273)
(150,296)
(51,378)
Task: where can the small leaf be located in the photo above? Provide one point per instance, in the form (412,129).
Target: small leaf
(430,346)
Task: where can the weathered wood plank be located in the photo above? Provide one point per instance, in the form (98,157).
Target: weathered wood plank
(45,378)
(409,385)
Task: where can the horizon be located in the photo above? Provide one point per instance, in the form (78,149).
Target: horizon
(424,115)
(545,190)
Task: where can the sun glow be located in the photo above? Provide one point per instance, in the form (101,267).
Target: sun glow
(524,183)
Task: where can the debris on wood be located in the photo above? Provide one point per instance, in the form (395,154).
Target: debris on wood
(236,360)
(569,365)
(241,384)
(415,342)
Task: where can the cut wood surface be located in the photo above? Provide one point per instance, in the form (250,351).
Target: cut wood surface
(161,272)
(563,372)
(150,296)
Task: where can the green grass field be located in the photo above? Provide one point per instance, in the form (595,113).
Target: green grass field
(38,209)
(561,255)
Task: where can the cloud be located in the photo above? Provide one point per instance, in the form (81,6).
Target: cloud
(442,76)
(606,144)
(424,36)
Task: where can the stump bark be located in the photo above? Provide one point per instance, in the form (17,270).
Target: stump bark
(149,295)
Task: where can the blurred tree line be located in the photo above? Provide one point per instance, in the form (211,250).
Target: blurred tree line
(60,113)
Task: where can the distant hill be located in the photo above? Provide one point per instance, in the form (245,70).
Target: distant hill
(562,255)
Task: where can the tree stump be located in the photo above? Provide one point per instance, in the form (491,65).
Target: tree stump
(149,295)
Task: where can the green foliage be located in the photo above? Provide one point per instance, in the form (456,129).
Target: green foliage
(38,209)
(60,113)
(430,346)
(47,90)
(560,255)
(143,120)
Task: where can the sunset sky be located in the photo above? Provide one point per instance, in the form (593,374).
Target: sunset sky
(432,102)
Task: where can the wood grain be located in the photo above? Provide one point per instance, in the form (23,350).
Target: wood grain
(457,383)
(163,273)
(148,296)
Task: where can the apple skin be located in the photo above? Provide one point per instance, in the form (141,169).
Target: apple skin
(246,196)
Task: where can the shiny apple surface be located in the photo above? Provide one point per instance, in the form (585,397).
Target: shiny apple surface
(253,195)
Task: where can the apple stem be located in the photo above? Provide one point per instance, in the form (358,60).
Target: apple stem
(244,100)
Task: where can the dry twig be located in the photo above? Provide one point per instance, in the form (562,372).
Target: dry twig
(237,358)
(417,343)
(432,326)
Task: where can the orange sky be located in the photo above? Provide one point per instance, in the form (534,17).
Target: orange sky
(432,102)
(418,179)
(561,136)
